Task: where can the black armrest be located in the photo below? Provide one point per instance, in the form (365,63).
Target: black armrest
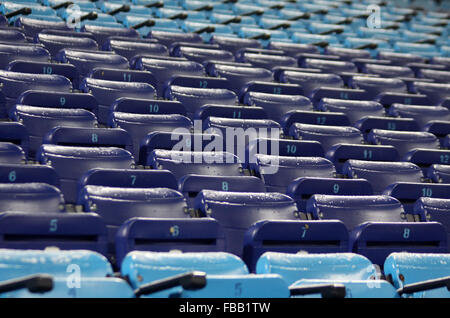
(24,11)
(189,281)
(39,283)
(425,285)
(326,290)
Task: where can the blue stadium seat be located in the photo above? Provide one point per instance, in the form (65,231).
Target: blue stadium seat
(355,210)
(377,240)
(107,92)
(11,153)
(55,43)
(354,109)
(182,163)
(190,185)
(421,114)
(234,44)
(200,55)
(311,81)
(139,125)
(301,189)
(403,141)
(85,137)
(194,98)
(20,173)
(375,86)
(229,111)
(355,272)
(15,133)
(382,174)
(328,136)
(164,235)
(130,49)
(167,38)
(278,172)
(436,92)
(66,231)
(163,68)
(284,147)
(94,282)
(128,178)
(265,59)
(12,36)
(367,123)
(102,33)
(15,83)
(147,106)
(118,75)
(31,27)
(340,153)
(276,105)
(32,52)
(287,236)
(34,197)
(329,66)
(238,75)
(439,173)
(408,193)
(81,159)
(248,208)
(424,158)
(408,268)
(40,120)
(313,118)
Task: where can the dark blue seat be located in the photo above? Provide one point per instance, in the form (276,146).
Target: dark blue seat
(86,61)
(340,153)
(311,81)
(313,118)
(15,83)
(67,70)
(403,141)
(354,109)
(129,49)
(182,163)
(285,236)
(128,178)
(31,52)
(167,38)
(139,125)
(329,66)
(398,58)
(194,98)
(284,147)
(185,141)
(198,81)
(366,124)
(81,160)
(66,231)
(190,185)
(328,136)
(375,86)
(439,173)
(11,153)
(147,106)
(234,44)
(201,55)
(378,240)
(31,26)
(248,208)
(355,210)
(408,193)
(441,129)
(117,205)
(57,99)
(237,75)
(164,68)
(271,88)
(229,111)
(436,92)
(424,158)
(276,105)
(19,173)
(10,35)
(291,48)
(265,60)
(40,120)
(389,71)
(165,235)
(382,174)
(107,92)
(118,75)
(277,172)
(16,133)
(434,210)
(301,189)
(55,43)
(437,76)
(34,198)
(347,54)
(102,33)
(421,114)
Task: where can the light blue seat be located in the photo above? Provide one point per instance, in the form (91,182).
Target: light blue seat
(407,268)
